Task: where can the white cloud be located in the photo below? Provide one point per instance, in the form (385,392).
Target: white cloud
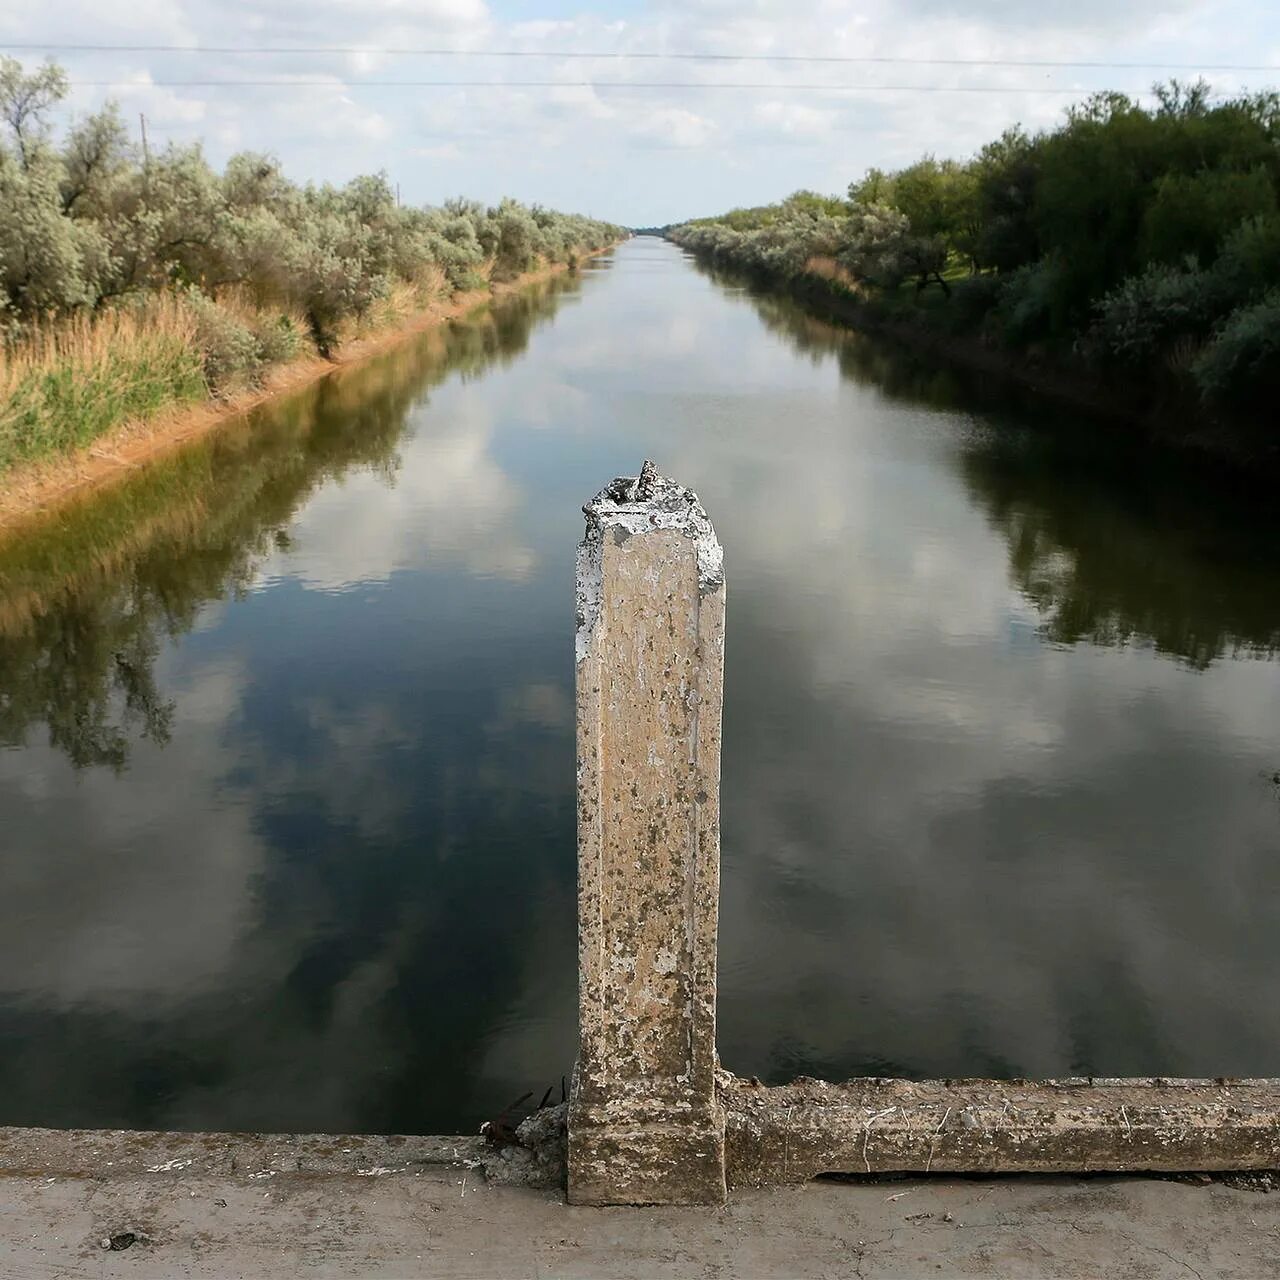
(795,119)
(446,151)
(671,126)
(582,98)
(628,153)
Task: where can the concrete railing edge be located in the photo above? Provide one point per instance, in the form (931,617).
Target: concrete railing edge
(652,1118)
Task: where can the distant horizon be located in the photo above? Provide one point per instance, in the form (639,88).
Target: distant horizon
(487,98)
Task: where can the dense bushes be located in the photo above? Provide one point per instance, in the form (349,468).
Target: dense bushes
(1140,240)
(89,221)
(260,267)
(1139,320)
(1240,368)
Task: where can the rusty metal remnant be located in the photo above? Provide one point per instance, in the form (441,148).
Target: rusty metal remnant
(798,1131)
(645,1126)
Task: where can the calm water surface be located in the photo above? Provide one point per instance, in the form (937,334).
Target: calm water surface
(286,751)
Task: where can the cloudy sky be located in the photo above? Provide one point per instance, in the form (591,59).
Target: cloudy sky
(589,134)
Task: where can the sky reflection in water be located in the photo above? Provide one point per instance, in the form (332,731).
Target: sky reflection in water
(287,796)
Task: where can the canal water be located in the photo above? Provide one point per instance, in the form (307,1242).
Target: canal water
(286,740)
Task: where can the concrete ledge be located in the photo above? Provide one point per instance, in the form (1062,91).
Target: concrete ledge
(796,1132)
(533,1157)
(99,1153)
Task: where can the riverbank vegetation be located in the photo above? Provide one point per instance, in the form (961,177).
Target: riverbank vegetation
(132,568)
(1138,246)
(133,281)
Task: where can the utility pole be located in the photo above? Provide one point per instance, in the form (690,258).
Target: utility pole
(146,154)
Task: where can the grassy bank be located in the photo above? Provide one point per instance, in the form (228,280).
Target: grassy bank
(93,396)
(91,592)
(68,384)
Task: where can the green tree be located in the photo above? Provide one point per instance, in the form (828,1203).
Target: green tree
(96,160)
(25,97)
(1191,214)
(1006,173)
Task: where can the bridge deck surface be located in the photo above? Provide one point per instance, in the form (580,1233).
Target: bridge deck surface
(446,1220)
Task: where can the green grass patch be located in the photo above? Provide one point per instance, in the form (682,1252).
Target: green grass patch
(68,393)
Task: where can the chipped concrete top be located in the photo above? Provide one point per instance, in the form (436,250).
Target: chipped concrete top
(632,505)
(636,504)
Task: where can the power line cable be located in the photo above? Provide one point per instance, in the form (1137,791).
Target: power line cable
(345,85)
(677,56)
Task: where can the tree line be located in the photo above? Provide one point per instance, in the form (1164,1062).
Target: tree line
(1143,242)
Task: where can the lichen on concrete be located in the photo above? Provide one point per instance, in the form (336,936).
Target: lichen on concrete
(795,1132)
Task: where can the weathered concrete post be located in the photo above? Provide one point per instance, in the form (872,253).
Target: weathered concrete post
(645,1126)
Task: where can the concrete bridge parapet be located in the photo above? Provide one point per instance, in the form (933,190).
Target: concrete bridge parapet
(652,1119)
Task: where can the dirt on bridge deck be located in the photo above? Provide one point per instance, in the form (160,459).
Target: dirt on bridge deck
(205,1206)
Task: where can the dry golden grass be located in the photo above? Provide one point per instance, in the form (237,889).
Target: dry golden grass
(94,340)
(162,368)
(238,303)
(830,269)
(66,383)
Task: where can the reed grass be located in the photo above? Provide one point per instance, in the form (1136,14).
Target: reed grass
(64,385)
